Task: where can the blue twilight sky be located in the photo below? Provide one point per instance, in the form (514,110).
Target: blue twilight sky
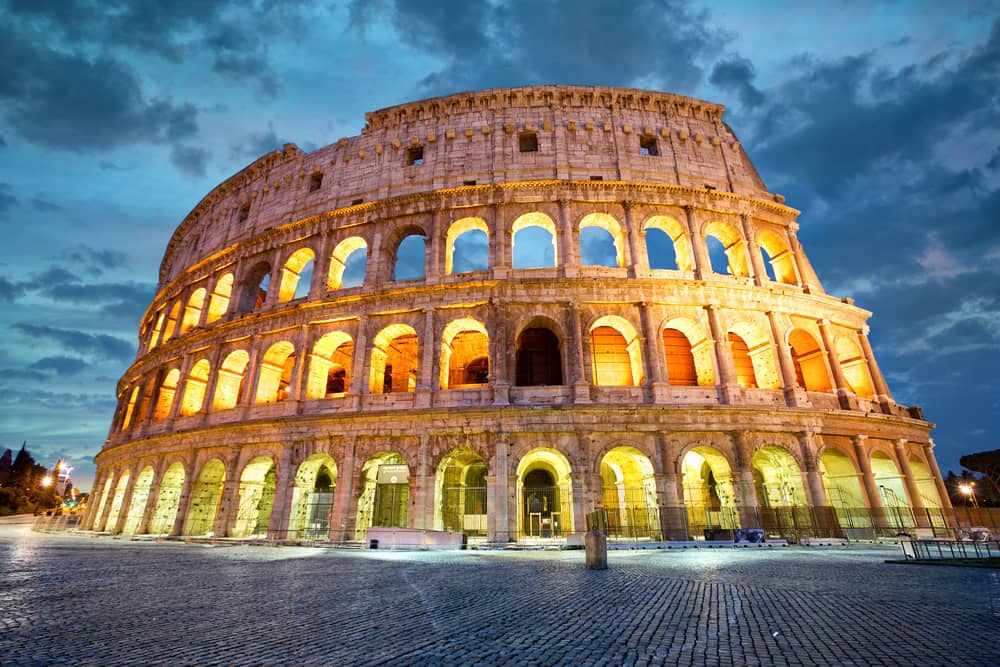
(880,121)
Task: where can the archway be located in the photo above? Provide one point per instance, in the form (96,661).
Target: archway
(628,490)
(394,360)
(465,354)
(330,366)
(778,478)
(615,353)
(671,252)
(206,493)
(229,384)
(544,494)
(460,490)
(927,488)
(257,489)
(194,388)
(169,500)
(807,356)
(192,311)
(312,498)
(775,253)
(533,237)
(538,359)
(601,241)
(116,502)
(467,246)
(140,495)
(171,327)
(253,293)
(891,491)
(843,489)
(105,493)
(709,495)
(855,367)
(732,245)
(219,303)
(409,264)
(385,493)
(296,275)
(276,373)
(165,397)
(348,264)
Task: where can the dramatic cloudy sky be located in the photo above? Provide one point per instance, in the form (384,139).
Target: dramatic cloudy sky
(882,124)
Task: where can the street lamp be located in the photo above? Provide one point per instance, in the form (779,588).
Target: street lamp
(969,490)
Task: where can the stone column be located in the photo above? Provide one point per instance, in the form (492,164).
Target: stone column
(753,249)
(153,498)
(251,375)
(814,478)
(343,497)
(795,396)
(184,500)
(360,371)
(569,258)
(422,501)
(848,401)
(702,262)
(638,257)
(501,353)
(229,505)
(869,483)
(214,367)
(728,387)
(798,257)
(881,388)
(575,360)
(296,385)
(938,479)
(430,353)
(653,351)
(910,482)
(375,272)
(746,492)
(94,502)
(321,266)
(501,247)
(498,499)
(277,528)
(99,525)
(435,251)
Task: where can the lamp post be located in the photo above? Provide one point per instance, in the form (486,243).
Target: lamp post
(969,490)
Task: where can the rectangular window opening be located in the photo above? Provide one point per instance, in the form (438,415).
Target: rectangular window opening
(316,181)
(468,182)
(647,146)
(597,178)
(355,202)
(528,142)
(244,212)
(415,156)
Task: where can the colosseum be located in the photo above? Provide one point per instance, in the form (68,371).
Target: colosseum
(497,314)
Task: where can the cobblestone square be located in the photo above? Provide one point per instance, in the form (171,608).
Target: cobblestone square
(86,601)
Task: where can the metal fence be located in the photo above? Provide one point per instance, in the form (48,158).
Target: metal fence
(950,549)
(56,523)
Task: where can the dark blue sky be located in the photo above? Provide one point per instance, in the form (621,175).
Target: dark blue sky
(882,124)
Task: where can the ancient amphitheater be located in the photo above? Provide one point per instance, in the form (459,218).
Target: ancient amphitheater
(495,312)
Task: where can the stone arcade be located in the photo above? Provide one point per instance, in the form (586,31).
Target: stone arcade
(611,312)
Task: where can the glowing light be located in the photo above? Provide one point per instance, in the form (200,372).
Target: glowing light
(46,481)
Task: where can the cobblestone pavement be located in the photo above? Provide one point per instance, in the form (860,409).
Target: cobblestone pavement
(85,601)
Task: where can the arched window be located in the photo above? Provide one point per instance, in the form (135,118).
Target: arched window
(685,345)
(614,353)
(348,263)
(465,360)
(467,246)
(276,373)
(807,356)
(855,367)
(253,294)
(229,386)
(534,241)
(601,241)
(732,245)
(192,312)
(165,399)
(410,258)
(778,259)
(296,275)
(194,388)
(667,244)
(745,375)
(154,338)
(130,408)
(330,366)
(169,330)
(680,359)
(539,362)
(394,360)
(219,303)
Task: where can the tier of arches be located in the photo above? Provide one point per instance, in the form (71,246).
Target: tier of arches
(544,490)
(744,353)
(322,265)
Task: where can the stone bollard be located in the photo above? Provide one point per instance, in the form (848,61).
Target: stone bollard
(597,550)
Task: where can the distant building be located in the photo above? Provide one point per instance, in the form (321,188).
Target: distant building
(495,312)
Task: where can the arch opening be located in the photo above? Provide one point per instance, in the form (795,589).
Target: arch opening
(206,495)
(667,244)
(192,311)
(709,494)
(628,490)
(218,304)
(385,493)
(258,484)
(533,239)
(276,368)
(394,360)
(460,487)
(330,366)
(116,503)
(465,361)
(348,263)
(544,493)
(140,496)
(253,294)
(296,275)
(808,359)
(168,500)
(726,249)
(410,253)
(778,260)
(229,385)
(312,498)
(165,397)
(467,246)
(891,491)
(194,388)
(841,480)
(855,367)
(538,358)
(615,353)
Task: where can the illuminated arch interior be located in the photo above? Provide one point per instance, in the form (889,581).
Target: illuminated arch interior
(257,488)
(276,373)
(140,495)
(683,258)
(544,494)
(168,500)
(347,261)
(192,311)
(466,246)
(734,246)
(330,366)
(460,490)
(465,358)
(602,242)
(778,256)
(194,388)
(296,275)
(219,303)
(385,493)
(206,493)
(808,359)
(229,386)
(778,478)
(855,367)
(165,399)
(394,360)
(615,353)
(312,497)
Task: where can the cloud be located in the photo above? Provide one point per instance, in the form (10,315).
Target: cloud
(105,165)
(43,205)
(101,346)
(190,159)
(61,365)
(7,200)
(101,258)
(737,74)
(525,42)
(10,291)
(255,144)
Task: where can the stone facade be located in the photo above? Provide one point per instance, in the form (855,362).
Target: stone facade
(564,346)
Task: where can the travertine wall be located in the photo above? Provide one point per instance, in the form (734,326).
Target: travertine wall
(770,379)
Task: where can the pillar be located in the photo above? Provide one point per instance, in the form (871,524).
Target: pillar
(569,259)
(729,389)
(360,371)
(152,499)
(653,350)
(814,478)
(938,479)
(882,394)
(126,503)
(798,256)
(868,479)
(637,250)
(702,262)
(756,259)
(749,507)
(848,401)
(912,490)
(277,528)
(343,497)
(430,353)
(498,498)
(184,500)
(501,248)
(434,251)
(795,396)
(229,504)
(575,361)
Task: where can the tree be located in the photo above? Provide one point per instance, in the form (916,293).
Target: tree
(987,463)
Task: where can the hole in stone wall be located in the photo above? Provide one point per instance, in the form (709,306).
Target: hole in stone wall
(527,142)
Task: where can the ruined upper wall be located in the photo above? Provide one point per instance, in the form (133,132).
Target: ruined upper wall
(583,133)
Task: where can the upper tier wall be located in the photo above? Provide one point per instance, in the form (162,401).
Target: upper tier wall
(582,134)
